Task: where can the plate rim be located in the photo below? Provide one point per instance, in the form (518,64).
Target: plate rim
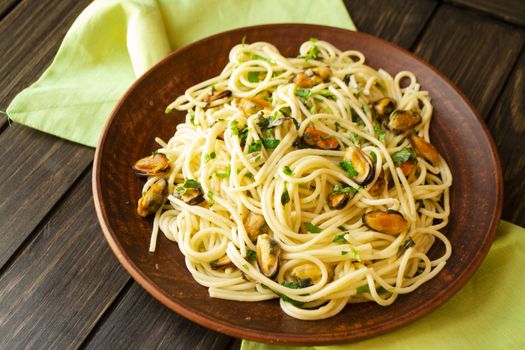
(275,337)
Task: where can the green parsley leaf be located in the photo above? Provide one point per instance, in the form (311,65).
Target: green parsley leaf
(291,285)
(243,41)
(340,238)
(342,228)
(373,155)
(168,110)
(209,156)
(255,146)
(312,228)
(347,166)
(244,266)
(251,255)
(404,155)
(366,289)
(347,189)
(312,54)
(357,257)
(287,170)
(249,175)
(189,183)
(301,92)
(314,40)
(326,93)
(379,132)
(253,77)
(344,252)
(261,58)
(210,197)
(285,197)
(365,108)
(291,301)
(225,174)
(353,137)
(192,117)
(201,247)
(270,143)
(404,247)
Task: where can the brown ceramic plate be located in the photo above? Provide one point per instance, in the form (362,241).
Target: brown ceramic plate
(139,117)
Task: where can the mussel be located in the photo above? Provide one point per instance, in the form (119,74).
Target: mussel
(306,274)
(377,187)
(319,139)
(268,253)
(361,163)
(217,96)
(252,105)
(221,263)
(424,149)
(338,201)
(155,165)
(384,107)
(390,222)
(153,199)
(407,167)
(312,76)
(403,120)
(190,192)
(255,225)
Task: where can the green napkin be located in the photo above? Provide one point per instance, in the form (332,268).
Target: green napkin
(114,41)
(487,313)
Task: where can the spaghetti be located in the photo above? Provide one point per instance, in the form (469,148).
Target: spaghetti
(308,179)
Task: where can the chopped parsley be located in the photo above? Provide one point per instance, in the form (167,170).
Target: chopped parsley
(287,170)
(209,156)
(373,155)
(192,116)
(326,93)
(253,77)
(404,247)
(270,143)
(251,255)
(291,285)
(344,252)
(285,197)
(302,93)
(290,300)
(353,137)
(347,166)
(380,133)
(404,155)
(255,146)
(340,238)
(243,41)
(366,289)
(357,257)
(312,228)
(347,190)
(188,183)
(224,174)
(210,197)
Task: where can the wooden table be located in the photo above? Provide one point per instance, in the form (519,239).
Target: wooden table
(61,286)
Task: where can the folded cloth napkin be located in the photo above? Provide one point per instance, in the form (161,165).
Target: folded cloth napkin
(114,41)
(487,313)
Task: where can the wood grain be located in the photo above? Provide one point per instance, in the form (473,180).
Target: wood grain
(398,21)
(31,34)
(154,327)
(473,51)
(41,169)
(62,282)
(7,6)
(507,123)
(512,11)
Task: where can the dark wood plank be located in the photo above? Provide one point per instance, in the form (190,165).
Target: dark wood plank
(62,282)
(153,326)
(512,11)
(6,6)
(507,123)
(31,34)
(398,21)
(472,50)
(39,170)
(41,167)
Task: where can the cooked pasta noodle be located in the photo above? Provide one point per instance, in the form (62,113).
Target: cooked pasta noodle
(263,155)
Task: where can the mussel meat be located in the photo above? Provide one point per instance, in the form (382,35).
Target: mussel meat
(153,199)
(362,165)
(424,149)
(155,165)
(384,107)
(312,76)
(255,225)
(319,139)
(221,263)
(390,222)
(268,253)
(403,120)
